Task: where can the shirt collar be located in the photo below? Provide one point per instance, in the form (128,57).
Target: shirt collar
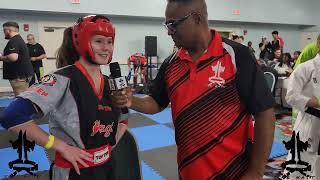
(215,49)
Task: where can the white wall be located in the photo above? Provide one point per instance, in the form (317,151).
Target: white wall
(132,30)
(266,11)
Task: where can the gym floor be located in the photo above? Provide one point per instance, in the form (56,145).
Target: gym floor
(157,150)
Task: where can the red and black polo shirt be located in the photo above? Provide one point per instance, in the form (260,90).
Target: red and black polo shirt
(212,102)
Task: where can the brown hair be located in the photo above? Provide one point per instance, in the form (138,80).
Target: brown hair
(10,24)
(66,54)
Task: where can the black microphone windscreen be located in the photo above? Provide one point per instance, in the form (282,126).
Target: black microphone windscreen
(115,70)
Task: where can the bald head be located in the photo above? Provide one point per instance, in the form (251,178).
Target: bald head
(199,6)
(187,22)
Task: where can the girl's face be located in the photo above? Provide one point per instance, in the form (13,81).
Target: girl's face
(102,48)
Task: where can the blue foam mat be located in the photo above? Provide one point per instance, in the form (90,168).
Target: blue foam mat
(4,102)
(148,173)
(151,137)
(162,117)
(278,149)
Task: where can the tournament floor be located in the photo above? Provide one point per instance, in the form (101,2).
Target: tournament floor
(156,143)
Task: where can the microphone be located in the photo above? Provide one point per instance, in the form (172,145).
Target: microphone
(313,111)
(116,83)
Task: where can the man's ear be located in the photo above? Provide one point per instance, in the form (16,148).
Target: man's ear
(198,18)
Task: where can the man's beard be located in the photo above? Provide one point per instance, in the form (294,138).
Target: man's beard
(7,36)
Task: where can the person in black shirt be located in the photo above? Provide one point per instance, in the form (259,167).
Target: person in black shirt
(266,49)
(37,53)
(17,67)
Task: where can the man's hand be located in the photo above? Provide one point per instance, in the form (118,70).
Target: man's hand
(313,102)
(1,57)
(122,98)
(263,137)
(33,58)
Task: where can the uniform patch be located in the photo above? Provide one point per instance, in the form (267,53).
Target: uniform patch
(98,127)
(101,156)
(39,91)
(49,80)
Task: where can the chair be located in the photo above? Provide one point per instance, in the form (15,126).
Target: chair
(271,80)
(126,158)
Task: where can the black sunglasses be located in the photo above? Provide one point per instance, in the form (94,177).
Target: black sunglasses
(172,25)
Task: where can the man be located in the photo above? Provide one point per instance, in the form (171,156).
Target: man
(277,42)
(17,67)
(37,53)
(241,40)
(309,52)
(236,38)
(214,85)
(251,48)
(266,52)
(277,55)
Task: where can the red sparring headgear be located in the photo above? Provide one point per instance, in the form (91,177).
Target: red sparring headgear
(85,28)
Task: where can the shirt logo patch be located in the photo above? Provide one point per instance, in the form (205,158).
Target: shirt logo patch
(98,127)
(101,156)
(217,80)
(49,80)
(315,80)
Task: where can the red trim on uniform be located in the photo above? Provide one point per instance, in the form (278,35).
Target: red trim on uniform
(101,87)
(101,154)
(215,49)
(125,122)
(86,74)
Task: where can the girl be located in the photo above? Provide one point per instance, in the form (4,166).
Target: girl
(75,99)
(283,67)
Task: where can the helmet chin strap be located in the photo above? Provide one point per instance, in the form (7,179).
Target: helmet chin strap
(90,60)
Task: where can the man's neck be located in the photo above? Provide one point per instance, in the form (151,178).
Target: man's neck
(202,45)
